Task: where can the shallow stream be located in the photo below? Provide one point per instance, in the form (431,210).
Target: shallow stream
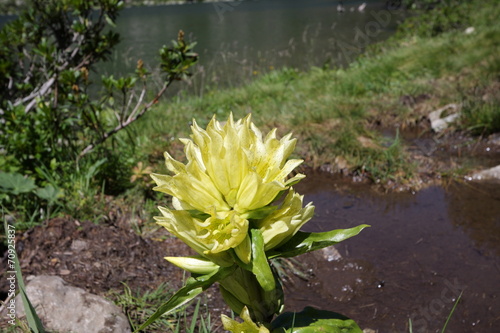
(422,252)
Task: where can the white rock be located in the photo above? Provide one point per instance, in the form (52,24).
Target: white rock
(64,308)
(439,123)
(469,30)
(488,174)
(330,253)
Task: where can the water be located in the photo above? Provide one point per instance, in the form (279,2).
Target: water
(421,252)
(239,40)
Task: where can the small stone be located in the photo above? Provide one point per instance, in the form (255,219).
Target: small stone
(369,330)
(341,162)
(64,308)
(469,30)
(439,123)
(367,142)
(330,253)
(79,245)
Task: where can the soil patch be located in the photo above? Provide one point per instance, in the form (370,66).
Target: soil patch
(101,258)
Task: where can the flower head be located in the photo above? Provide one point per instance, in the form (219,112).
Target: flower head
(230,167)
(231,171)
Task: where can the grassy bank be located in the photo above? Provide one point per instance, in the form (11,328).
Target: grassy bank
(337,114)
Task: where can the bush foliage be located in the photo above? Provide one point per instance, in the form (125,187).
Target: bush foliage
(54,108)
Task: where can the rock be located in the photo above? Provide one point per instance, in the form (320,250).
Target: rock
(341,163)
(369,330)
(494,139)
(439,123)
(469,30)
(488,174)
(330,253)
(79,245)
(64,308)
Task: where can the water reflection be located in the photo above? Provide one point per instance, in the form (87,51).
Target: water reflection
(422,250)
(254,36)
(239,40)
(475,208)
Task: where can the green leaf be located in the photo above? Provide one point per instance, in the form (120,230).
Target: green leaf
(304,242)
(49,193)
(311,320)
(193,288)
(260,265)
(16,183)
(110,21)
(232,301)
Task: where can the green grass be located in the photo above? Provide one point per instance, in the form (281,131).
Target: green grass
(138,307)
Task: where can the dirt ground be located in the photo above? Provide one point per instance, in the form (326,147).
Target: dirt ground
(100,258)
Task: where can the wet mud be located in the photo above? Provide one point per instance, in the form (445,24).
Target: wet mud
(423,251)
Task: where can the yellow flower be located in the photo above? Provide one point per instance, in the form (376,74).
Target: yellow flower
(230,167)
(279,226)
(231,171)
(247,326)
(209,237)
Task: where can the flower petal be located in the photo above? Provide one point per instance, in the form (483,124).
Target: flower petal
(197,265)
(282,224)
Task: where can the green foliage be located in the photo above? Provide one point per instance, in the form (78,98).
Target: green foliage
(387,163)
(439,17)
(52,111)
(481,117)
(138,306)
(194,286)
(19,195)
(45,64)
(311,320)
(46,55)
(303,242)
(15,183)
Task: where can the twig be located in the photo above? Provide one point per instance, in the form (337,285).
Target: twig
(129,120)
(37,92)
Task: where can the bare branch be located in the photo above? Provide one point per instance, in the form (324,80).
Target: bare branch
(132,114)
(37,92)
(129,120)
